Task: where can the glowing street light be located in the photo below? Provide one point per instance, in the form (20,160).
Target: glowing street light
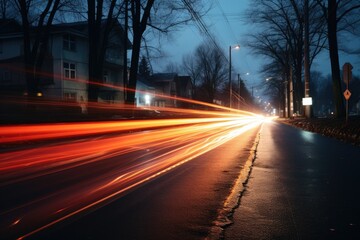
(230,85)
(147,99)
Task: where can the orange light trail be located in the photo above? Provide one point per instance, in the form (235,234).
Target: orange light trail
(112,86)
(96,163)
(124,160)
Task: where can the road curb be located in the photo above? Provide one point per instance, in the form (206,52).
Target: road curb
(224,218)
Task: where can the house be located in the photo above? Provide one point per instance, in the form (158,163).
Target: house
(170,84)
(145,93)
(164,84)
(184,89)
(64,74)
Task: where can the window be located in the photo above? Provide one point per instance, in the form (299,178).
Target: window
(113,54)
(1,46)
(69,42)
(106,77)
(6,76)
(70,96)
(69,70)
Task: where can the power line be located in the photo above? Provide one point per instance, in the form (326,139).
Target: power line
(202,26)
(226,20)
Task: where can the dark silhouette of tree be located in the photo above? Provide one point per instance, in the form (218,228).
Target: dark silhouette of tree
(213,70)
(6,9)
(144,68)
(140,14)
(280,39)
(190,67)
(340,15)
(161,16)
(99,30)
(36,37)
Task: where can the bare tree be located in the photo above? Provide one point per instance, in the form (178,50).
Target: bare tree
(4,9)
(212,70)
(36,36)
(99,30)
(193,70)
(144,68)
(140,15)
(341,15)
(281,37)
(160,16)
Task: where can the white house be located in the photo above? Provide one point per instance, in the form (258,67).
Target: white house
(65,69)
(145,93)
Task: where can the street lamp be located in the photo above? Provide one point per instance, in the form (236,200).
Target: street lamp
(230,85)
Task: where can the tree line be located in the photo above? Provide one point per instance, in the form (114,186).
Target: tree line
(208,68)
(282,36)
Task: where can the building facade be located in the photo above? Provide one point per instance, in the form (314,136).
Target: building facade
(65,71)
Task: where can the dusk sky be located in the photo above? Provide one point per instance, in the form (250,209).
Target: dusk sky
(227,22)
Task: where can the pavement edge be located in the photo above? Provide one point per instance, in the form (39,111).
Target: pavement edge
(224,218)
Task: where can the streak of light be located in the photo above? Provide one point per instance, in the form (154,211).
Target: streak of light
(22,133)
(123,161)
(40,101)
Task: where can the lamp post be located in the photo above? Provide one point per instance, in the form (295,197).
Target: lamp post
(230,85)
(239,91)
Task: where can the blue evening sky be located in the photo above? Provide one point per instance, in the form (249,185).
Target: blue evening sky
(232,29)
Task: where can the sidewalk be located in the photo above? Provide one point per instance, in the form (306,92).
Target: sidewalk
(302,186)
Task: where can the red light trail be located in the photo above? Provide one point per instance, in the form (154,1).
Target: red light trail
(73,168)
(130,159)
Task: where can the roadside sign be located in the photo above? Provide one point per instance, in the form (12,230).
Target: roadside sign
(307,101)
(347,73)
(347,94)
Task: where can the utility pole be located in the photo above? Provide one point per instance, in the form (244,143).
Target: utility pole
(125,70)
(239,91)
(286,114)
(307,59)
(230,87)
(230,82)
(291,93)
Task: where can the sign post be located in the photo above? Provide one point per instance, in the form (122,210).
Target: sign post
(347,76)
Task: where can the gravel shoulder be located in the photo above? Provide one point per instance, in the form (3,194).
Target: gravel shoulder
(335,128)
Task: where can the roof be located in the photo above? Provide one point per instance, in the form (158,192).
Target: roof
(182,82)
(163,77)
(144,81)
(8,26)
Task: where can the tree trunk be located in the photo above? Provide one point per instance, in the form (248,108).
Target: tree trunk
(298,89)
(133,70)
(35,47)
(95,12)
(139,26)
(334,59)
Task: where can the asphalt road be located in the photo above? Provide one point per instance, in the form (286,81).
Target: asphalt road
(302,186)
(159,184)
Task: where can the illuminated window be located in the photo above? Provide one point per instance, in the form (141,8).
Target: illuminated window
(69,42)
(69,70)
